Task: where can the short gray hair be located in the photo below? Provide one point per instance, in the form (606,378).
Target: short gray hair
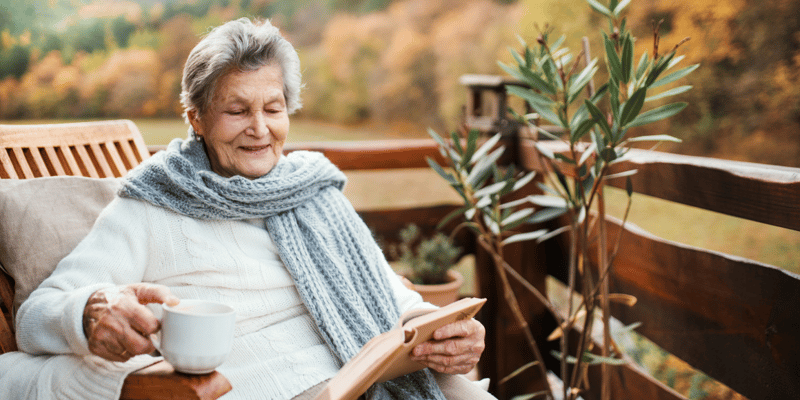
(242,45)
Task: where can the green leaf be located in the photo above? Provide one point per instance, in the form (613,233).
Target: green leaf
(599,7)
(529,95)
(490,190)
(547,201)
(517,216)
(621,174)
(675,76)
(657,114)
(632,107)
(484,166)
(598,117)
(511,71)
(671,92)
(547,113)
(453,214)
(582,130)
(439,170)
(655,138)
(456,142)
(520,237)
(612,58)
(629,186)
(535,81)
(621,6)
(608,154)
(485,147)
(627,58)
(643,62)
(520,183)
(547,214)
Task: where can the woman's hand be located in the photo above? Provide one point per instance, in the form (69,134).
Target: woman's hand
(118,325)
(454,349)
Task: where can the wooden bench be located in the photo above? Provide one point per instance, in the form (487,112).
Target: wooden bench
(97,150)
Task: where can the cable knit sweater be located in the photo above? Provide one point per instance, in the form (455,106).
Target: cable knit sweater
(277,353)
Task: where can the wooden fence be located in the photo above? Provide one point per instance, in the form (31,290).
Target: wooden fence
(734,319)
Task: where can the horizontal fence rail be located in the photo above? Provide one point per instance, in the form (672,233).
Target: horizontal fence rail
(736,320)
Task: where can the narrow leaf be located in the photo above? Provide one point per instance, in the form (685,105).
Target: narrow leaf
(490,190)
(521,237)
(547,214)
(516,216)
(598,117)
(485,147)
(612,58)
(547,201)
(671,92)
(629,186)
(451,215)
(643,62)
(632,107)
(621,174)
(518,371)
(535,81)
(524,180)
(599,7)
(553,233)
(439,170)
(675,76)
(529,95)
(621,6)
(655,138)
(657,114)
(547,113)
(627,58)
(582,130)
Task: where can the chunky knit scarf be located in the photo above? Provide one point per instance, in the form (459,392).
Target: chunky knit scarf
(329,251)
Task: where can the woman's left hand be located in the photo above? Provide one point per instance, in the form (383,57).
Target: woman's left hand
(454,349)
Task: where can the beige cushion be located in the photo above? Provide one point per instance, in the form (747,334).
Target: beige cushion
(42,220)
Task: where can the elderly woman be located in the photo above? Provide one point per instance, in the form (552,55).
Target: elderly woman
(225,216)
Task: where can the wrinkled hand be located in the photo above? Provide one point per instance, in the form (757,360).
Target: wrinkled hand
(118,325)
(454,349)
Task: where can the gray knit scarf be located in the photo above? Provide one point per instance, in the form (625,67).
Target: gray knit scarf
(325,245)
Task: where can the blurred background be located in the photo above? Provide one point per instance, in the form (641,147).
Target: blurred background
(384,69)
(378,68)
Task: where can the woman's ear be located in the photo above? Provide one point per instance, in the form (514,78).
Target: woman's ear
(194,120)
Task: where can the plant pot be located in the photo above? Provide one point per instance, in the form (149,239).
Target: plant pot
(442,294)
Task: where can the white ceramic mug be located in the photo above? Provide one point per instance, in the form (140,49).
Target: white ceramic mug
(196,335)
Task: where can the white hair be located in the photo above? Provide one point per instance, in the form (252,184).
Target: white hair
(242,45)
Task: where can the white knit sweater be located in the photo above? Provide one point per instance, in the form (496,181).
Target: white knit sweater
(277,352)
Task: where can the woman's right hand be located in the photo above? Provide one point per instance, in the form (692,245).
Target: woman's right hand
(118,325)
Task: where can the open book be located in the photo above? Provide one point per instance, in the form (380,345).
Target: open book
(387,356)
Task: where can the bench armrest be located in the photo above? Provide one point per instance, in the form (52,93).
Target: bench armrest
(160,381)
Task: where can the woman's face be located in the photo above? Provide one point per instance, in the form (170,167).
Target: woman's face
(246,124)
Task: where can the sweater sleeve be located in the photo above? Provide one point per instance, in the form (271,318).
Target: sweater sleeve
(115,252)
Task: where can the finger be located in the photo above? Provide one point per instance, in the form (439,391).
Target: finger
(450,365)
(458,329)
(148,293)
(134,343)
(142,320)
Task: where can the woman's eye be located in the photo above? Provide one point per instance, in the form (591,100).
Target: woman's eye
(236,112)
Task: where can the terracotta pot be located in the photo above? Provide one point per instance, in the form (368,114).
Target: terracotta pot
(442,294)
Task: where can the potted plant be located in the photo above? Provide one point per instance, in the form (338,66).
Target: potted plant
(596,131)
(427,264)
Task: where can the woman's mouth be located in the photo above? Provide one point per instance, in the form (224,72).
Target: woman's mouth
(254,149)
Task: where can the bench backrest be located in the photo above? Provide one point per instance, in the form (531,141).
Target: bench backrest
(91,149)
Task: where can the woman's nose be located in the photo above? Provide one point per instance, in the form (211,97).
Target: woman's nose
(258,125)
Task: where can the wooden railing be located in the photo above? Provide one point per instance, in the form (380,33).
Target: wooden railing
(734,319)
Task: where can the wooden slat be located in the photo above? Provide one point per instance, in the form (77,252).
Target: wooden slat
(7,340)
(54,161)
(71,162)
(19,154)
(762,193)
(100,158)
(7,166)
(39,162)
(127,154)
(110,151)
(88,162)
(734,319)
(161,382)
